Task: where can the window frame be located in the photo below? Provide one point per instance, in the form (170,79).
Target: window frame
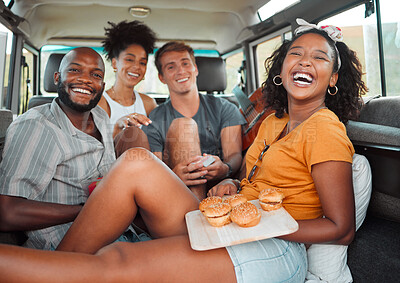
(229,54)
(253,82)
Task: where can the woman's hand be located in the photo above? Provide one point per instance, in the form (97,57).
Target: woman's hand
(225,187)
(133,119)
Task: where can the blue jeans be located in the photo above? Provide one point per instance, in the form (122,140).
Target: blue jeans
(270,260)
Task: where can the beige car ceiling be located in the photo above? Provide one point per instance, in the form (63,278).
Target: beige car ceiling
(211,24)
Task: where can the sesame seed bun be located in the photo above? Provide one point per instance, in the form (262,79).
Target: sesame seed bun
(271,199)
(218,214)
(235,200)
(246,215)
(209,201)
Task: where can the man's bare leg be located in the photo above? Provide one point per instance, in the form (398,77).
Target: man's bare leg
(183,143)
(138,181)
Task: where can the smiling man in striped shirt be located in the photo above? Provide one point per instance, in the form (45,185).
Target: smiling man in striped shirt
(53,152)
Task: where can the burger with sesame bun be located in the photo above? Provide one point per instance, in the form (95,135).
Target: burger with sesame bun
(209,201)
(235,200)
(271,199)
(218,214)
(245,215)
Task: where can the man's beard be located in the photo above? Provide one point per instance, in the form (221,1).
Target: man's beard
(65,98)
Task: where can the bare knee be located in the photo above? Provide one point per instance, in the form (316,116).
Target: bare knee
(130,134)
(117,266)
(136,161)
(137,156)
(129,138)
(182,127)
(182,141)
(179,122)
(112,254)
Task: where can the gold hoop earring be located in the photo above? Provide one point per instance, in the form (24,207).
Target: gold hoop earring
(274,80)
(115,70)
(336,90)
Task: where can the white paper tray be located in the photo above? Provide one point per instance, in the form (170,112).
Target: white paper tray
(203,236)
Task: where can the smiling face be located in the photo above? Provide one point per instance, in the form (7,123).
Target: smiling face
(131,65)
(80,79)
(307,70)
(179,72)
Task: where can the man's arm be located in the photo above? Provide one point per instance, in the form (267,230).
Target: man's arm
(21,214)
(154,132)
(231,141)
(26,170)
(231,137)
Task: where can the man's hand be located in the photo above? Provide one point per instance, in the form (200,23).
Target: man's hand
(225,187)
(191,172)
(217,170)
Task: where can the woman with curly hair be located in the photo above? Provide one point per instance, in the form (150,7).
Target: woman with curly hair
(128,45)
(303,149)
(343,98)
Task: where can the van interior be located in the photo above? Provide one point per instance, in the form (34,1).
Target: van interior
(231,40)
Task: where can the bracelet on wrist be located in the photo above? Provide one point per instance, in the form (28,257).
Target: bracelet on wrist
(229,170)
(237,183)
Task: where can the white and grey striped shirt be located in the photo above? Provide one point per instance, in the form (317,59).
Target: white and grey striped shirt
(46,158)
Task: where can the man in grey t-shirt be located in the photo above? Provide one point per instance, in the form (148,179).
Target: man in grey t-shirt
(190,125)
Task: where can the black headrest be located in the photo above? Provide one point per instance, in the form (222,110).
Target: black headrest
(52,66)
(212,74)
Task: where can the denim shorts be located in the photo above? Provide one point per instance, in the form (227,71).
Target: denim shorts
(132,237)
(269,260)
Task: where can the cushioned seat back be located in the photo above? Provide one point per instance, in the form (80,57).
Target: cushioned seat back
(212,74)
(52,66)
(377,136)
(382,111)
(6,118)
(48,81)
(18,238)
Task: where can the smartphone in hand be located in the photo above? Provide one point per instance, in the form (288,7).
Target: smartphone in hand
(209,160)
(205,160)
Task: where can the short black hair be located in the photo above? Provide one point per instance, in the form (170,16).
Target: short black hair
(120,36)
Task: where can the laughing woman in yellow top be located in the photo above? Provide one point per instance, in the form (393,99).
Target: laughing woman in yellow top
(314,83)
(303,148)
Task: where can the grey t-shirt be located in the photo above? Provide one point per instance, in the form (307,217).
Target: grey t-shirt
(213,115)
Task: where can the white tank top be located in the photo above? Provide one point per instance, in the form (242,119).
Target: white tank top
(118,110)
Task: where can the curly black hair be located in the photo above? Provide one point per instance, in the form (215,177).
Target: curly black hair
(347,102)
(120,36)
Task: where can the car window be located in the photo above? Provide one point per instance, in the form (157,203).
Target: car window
(150,85)
(360,34)
(234,62)
(5,52)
